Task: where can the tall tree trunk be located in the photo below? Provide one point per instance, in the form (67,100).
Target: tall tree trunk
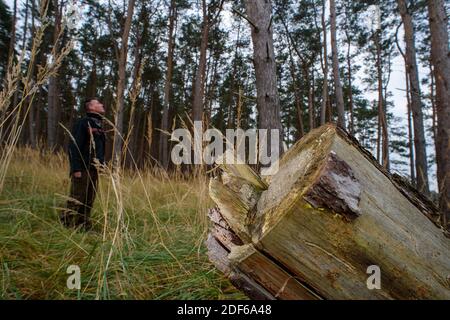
(350,73)
(416,103)
(410,132)
(31,106)
(132,132)
(211,15)
(15,99)
(298,103)
(433,106)
(350,87)
(199,84)
(53,85)
(441,62)
(260,14)
(210,91)
(323,110)
(297,96)
(163,142)
(382,122)
(310,80)
(12,41)
(119,112)
(336,75)
(231,94)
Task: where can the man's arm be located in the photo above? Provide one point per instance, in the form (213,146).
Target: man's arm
(76,145)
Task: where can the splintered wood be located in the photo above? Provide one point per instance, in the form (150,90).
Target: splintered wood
(326,219)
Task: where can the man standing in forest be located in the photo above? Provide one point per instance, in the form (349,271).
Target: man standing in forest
(86,152)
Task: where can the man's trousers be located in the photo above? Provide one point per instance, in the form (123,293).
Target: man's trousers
(82,195)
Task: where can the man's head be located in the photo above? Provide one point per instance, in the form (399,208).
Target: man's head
(94,105)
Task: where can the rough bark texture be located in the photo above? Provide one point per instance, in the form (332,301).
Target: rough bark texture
(199,84)
(416,103)
(382,122)
(323,109)
(12,42)
(312,230)
(440,57)
(119,111)
(336,75)
(53,85)
(211,14)
(349,69)
(163,141)
(260,14)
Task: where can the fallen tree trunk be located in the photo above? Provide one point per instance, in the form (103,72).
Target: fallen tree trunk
(328,214)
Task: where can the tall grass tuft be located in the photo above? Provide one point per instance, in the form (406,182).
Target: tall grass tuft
(147,241)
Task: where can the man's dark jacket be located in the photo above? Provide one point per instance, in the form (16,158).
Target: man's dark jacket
(87,143)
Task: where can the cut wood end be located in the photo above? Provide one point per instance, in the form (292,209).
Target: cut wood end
(232,208)
(236,167)
(336,188)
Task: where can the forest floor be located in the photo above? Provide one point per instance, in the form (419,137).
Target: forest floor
(147,242)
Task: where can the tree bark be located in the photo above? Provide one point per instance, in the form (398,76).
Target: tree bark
(410,134)
(336,74)
(31,106)
(297,98)
(350,73)
(163,141)
(231,95)
(382,122)
(350,89)
(329,214)
(53,85)
(119,110)
(433,106)
(440,57)
(199,83)
(323,110)
(260,14)
(416,101)
(12,42)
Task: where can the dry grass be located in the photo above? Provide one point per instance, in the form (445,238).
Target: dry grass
(147,242)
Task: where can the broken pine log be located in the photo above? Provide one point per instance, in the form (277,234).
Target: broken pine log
(322,220)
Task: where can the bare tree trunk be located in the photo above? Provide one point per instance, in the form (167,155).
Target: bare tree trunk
(163,141)
(231,95)
(416,103)
(260,14)
(119,112)
(323,110)
(53,86)
(410,132)
(297,96)
(298,103)
(350,87)
(15,99)
(433,106)
(381,113)
(12,41)
(132,132)
(336,75)
(350,74)
(32,111)
(200,77)
(210,91)
(441,62)
(311,84)
(199,84)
